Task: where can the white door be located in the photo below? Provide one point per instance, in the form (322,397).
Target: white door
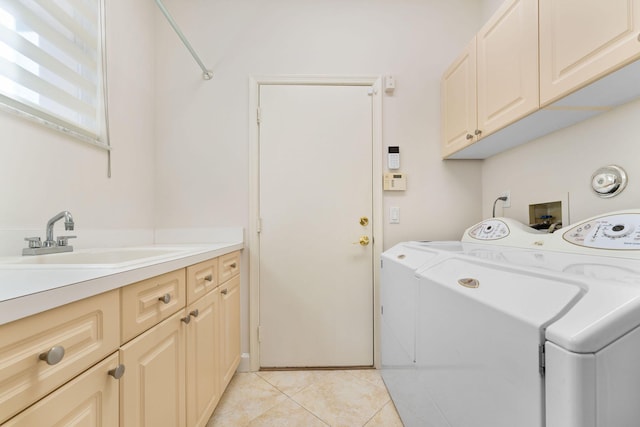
(316,279)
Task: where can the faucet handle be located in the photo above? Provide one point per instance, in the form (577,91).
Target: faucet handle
(64,240)
(34,242)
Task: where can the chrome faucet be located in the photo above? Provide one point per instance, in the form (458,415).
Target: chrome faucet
(50,246)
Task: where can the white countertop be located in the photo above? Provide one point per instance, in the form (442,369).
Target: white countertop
(27,289)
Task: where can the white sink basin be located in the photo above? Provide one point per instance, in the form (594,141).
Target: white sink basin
(101,258)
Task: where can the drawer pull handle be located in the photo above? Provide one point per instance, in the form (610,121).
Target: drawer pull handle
(117,372)
(166,298)
(53,356)
(194,313)
(469,136)
(208,278)
(224,291)
(186,319)
(233,265)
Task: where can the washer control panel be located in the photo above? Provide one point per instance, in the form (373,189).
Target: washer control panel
(491,229)
(618,231)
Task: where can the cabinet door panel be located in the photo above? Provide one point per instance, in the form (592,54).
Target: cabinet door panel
(152,391)
(230,328)
(458,94)
(508,65)
(582,40)
(203,346)
(89,400)
(88,330)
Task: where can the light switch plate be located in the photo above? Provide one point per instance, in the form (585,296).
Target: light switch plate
(394,215)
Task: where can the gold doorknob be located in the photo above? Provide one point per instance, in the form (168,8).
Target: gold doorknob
(364,221)
(364,241)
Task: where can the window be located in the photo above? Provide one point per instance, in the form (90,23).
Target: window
(52,65)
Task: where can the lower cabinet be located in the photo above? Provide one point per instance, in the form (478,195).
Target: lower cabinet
(175,369)
(91,399)
(230,327)
(203,360)
(153,387)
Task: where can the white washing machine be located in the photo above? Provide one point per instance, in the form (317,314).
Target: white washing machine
(517,328)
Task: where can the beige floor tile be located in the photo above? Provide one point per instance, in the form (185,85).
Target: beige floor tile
(371,375)
(290,382)
(340,398)
(386,417)
(287,414)
(247,397)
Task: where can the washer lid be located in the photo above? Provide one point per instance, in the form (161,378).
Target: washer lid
(534,298)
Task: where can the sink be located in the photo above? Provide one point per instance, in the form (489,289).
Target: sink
(100,258)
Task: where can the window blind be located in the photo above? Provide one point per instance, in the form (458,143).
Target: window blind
(52,65)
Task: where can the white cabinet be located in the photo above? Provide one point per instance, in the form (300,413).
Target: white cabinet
(583,40)
(494,82)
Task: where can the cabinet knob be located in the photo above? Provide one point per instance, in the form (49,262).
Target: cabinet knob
(194,313)
(53,356)
(233,265)
(117,372)
(478,132)
(224,291)
(208,278)
(186,320)
(166,298)
(469,136)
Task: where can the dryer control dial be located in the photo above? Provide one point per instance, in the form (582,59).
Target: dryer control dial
(620,231)
(491,229)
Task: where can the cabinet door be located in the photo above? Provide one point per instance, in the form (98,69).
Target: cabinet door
(152,391)
(507,49)
(203,377)
(230,329)
(87,330)
(89,400)
(458,95)
(582,40)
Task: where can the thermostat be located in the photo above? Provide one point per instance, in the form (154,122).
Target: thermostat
(393,158)
(395,181)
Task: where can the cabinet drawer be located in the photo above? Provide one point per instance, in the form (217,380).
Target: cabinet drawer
(229,266)
(87,330)
(89,400)
(146,303)
(201,278)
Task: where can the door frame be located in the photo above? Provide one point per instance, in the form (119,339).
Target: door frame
(254,195)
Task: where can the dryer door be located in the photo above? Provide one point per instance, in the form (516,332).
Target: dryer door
(479,328)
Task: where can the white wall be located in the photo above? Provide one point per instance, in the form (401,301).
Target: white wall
(559,167)
(44,172)
(203,138)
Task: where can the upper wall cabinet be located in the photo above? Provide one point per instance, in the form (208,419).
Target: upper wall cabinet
(588,52)
(495,80)
(583,40)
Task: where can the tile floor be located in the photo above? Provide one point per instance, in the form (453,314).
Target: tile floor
(344,398)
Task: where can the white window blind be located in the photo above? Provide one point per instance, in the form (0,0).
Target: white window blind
(52,65)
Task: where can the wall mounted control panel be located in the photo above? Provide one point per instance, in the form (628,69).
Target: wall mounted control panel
(619,231)
(393,158)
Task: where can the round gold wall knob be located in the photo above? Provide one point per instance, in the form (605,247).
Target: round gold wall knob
(364,221)
(364,241)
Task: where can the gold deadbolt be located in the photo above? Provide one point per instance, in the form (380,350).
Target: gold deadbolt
(364,221)
(364,241)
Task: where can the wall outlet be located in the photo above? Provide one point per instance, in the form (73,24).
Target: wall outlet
(506,203)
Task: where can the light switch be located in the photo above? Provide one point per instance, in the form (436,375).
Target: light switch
(394,215)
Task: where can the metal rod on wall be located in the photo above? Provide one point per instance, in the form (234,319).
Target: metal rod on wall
(206,74)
